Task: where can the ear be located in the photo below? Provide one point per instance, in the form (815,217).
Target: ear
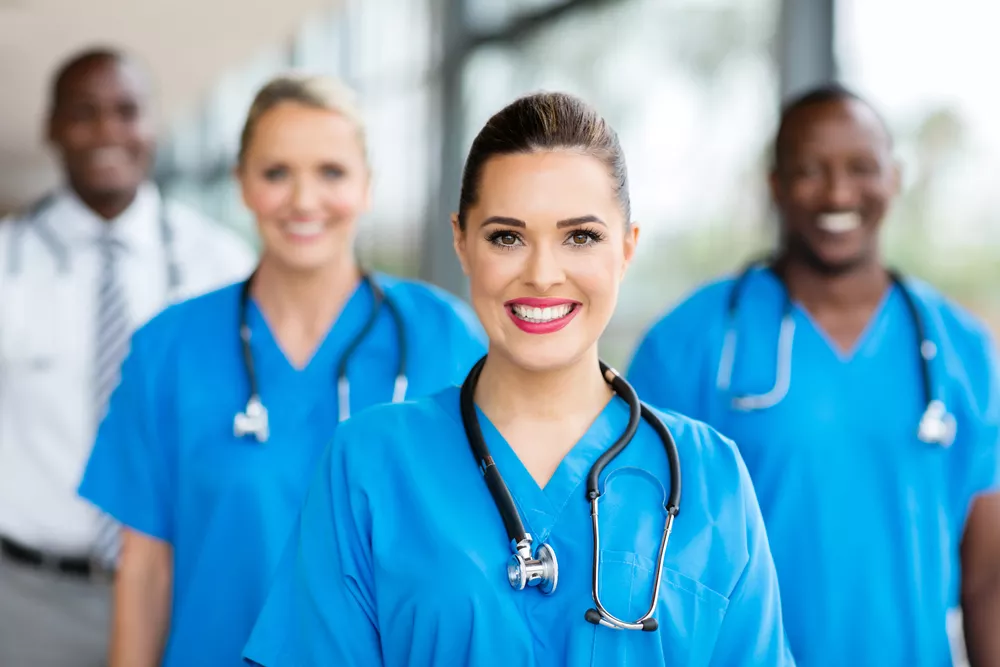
(459,242)
(366,204)
(774,185)
(897,177)
(631,242)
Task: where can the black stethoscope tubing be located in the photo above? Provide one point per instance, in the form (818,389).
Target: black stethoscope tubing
(520,539)
(379,299)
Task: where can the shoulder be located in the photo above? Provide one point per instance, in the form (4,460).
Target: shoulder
(418,292)
(960,325)
(427,299)
(198,231)
(705,303)
(966,342)
(198,319)
(390,435)
(715,481)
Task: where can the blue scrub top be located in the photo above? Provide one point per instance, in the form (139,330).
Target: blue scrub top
(864,519)
(400,554)
(166,462)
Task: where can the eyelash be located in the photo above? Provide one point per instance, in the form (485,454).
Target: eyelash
(594,236)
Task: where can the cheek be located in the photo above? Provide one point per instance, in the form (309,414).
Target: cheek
(265,200)
(490,271)
(346,200)
(597,274)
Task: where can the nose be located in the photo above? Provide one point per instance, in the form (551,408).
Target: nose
(841,192)
(305,195)
(543,271)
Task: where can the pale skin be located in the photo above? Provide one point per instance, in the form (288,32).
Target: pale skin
(304,171)
(522,239)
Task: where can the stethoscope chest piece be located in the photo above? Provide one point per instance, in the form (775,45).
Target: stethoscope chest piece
(252,421)
(542,570)
(937,425)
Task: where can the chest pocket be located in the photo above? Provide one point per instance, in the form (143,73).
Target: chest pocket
(688,613)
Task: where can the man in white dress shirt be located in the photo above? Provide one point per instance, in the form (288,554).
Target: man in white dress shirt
(78,272)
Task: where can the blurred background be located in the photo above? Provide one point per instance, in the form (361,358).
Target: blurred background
(693,87)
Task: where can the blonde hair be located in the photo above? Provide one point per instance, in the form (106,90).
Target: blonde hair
(316,92)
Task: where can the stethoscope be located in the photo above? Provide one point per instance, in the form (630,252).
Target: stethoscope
(253,420)
(937,425)
(36,222)
(540,568)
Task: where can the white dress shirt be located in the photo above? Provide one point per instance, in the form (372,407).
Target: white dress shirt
(48,301)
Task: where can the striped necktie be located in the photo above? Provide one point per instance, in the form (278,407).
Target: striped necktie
(111,346)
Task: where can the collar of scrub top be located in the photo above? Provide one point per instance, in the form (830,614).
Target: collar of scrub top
(540,568)
(937,425)
(78,224)
(254,418)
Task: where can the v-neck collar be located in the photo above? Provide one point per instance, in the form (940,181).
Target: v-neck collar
(540,508)
(876,323)
(277,375)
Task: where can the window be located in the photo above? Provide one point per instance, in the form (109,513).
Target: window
(932,83)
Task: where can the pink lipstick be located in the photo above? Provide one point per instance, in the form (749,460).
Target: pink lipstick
(541,316)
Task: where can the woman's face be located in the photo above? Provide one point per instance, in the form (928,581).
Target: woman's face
(545,247)
(305,178)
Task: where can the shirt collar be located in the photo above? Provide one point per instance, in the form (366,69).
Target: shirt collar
(136,229)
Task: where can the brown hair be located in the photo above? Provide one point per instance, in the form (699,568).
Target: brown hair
(316,92)
(545,122)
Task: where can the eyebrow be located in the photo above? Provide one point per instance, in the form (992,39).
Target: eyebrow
(568,222)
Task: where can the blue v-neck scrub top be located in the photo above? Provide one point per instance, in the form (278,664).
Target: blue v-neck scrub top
(166,462)
(865,520)
(400,555)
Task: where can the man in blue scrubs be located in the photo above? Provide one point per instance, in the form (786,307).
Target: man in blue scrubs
(876,533)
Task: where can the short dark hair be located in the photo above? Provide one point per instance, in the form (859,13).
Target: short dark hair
(541,122)
(828,92)
(71,65)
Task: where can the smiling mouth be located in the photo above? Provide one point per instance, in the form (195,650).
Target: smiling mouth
(536,315)
(304,230)
(839,223)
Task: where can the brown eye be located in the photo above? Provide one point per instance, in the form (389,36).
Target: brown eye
(580,238)
(507,239)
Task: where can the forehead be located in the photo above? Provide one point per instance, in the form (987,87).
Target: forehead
(546,186)
(293,129)
(835,125)
(103,78)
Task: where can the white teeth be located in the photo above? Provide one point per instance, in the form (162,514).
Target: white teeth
(541,315)
(839,223)
(304,228)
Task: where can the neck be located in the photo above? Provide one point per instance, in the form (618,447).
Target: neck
(860,286)
(108,205)
(508,393)
(311,300)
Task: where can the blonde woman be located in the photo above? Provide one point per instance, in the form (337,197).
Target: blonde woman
(228,400)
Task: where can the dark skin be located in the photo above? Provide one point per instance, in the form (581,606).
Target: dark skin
(101,127)
(835,157)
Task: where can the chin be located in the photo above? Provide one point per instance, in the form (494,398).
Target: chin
(545,356)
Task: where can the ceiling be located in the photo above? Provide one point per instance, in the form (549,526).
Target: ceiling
(187,44)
